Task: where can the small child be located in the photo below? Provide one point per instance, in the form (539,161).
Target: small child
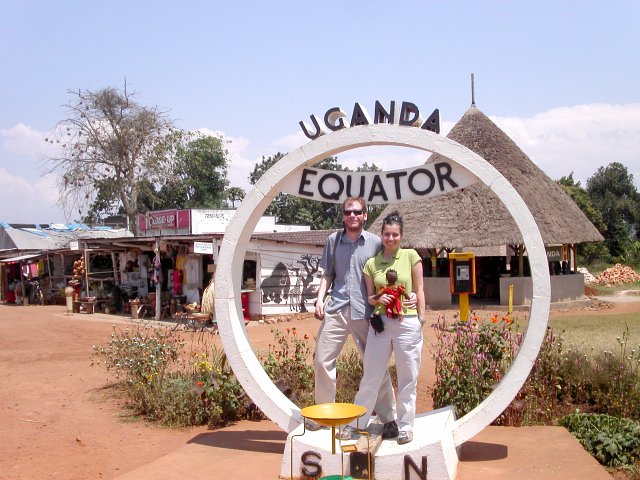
(394,309)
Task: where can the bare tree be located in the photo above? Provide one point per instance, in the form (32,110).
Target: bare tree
(113,145)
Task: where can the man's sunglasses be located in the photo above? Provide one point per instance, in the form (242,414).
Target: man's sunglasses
(346,213)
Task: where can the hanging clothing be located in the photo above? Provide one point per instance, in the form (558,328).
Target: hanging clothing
(156,273)
(193,271)
(177,282)
(192,278)
(180,259)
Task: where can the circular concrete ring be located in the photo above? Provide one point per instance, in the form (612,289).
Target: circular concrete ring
(243,360)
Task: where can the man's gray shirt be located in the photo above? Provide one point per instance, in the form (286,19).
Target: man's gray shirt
(349,287)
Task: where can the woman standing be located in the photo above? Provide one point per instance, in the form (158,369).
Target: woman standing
(401,335)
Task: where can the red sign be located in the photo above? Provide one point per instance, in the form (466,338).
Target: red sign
(161,219)
(164,219)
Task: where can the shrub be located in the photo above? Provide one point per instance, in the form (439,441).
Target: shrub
(538,399)
(147,362)
(221,392)
(470,359)
(287,364)
(614,442)
(607,382)
(140,356)
(349,373)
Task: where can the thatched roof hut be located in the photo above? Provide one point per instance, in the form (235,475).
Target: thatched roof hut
(474,216)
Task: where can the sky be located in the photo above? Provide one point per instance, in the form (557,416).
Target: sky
(560,78)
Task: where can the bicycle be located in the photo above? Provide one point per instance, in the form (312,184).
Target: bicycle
(35,294)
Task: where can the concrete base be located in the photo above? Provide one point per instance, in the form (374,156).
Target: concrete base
(564,288)
(432,452)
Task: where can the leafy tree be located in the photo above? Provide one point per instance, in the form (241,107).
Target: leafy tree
(612,192)
(110,141)
(588,252)
(235,194)
(199,178)
(299,211)
(373,211)
(261,168)
(581,198)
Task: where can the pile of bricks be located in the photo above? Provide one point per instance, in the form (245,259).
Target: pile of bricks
(616,275)
(588,278)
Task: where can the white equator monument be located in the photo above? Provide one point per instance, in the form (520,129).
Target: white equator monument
(436,434)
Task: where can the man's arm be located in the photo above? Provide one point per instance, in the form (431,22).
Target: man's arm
(322,291)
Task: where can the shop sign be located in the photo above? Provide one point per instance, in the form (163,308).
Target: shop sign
(210,221)
(74,245)
(554,254)
(164,219)
(203,247)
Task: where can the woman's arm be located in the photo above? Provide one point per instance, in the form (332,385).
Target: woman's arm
(418,286)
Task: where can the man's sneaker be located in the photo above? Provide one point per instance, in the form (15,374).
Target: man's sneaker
(311,425)
(390,430)
(346,433)
(405,436)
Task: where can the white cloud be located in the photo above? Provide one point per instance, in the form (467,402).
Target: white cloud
(290,142)
(28,201)
(25,141)
(579,139)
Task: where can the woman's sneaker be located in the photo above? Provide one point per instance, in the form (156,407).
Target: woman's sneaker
(405,436)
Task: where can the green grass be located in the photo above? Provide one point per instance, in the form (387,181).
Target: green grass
(598,332)
(594,333)
(601,289)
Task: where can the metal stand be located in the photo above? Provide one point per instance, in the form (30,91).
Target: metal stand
(334,415)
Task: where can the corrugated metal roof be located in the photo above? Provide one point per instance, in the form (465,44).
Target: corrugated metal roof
(311,237)
(52,239)
(17,259)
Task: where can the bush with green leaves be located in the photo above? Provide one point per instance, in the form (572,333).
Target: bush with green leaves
(219,389)
(538,400)
(614,442)
(288,364)
(158,385)
(470,358)
(349,373)
(605,382)
(142,355)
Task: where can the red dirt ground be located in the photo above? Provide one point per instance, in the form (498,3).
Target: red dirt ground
(56,420)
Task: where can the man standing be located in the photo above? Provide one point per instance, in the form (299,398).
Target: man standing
(347,310)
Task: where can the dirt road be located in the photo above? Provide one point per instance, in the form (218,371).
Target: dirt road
(55,422)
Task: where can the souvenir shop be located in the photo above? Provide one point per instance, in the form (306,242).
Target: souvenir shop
(26,279)
(280,274)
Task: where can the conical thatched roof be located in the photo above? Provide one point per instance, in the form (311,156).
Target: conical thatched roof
(474,216)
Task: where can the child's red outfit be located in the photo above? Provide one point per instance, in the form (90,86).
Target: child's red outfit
(394,309)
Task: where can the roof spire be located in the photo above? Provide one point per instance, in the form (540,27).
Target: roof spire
(473,92)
